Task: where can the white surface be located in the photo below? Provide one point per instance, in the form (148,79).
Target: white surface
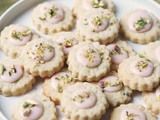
(122,6)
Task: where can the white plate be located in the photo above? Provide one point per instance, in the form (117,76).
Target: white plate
(20,13)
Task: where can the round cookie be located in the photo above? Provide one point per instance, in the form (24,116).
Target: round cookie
(14,80)
(89,61)
(53,87)
(14,37)
(116,93)
(83,101)
(152,100)
(140,26)
(132,112)
(42,57)
(119,51)
(139,73)
(34,107)
(52,17)
(82,6)
(98,26)
(66,40)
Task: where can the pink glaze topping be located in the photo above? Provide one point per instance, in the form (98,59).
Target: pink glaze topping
(88,56)
(110,84)
(142,67)
(117,53)
(84,99)
(32,109)
(157,53)
(11,73)
(133,114)
(140,22)
(19,35)
(51,13)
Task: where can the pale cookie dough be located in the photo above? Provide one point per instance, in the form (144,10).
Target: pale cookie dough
(34,107)
(152,100)
(139,73)
(119,51)
(53,87)
(14,37)
(13,79)
(66,40)
(42,57)
(89,61)
(140,26)
(98,26)
(84,101)
(52,17)
(116,93)
(132,112)
(82,6)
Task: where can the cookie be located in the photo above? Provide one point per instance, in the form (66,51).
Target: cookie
(14,80)
(53,87)
(118,52)
(14,37)
(140,26)
(42,57)
(98,26)
(89,61)
(52,17)
(116,93)
(84,101)
(82,6)
(132,112)
(139,73)
(34,107)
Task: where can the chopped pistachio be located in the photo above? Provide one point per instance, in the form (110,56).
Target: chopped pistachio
(2,69)
(27,112)
(25,104)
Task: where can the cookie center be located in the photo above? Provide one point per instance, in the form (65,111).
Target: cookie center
(140,22)
(117,53)
(93,4)
(10,73)
(84,99)
(32,109)
(157,53)
(89,56)
(20,35)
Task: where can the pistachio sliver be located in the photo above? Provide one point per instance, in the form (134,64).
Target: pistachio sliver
(2,69)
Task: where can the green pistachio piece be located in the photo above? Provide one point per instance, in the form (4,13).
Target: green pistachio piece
(25,104)
(2,69)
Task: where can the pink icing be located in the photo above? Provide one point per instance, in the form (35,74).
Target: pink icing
(87,101)
(66,48)
(117,58)
(145,72)
(133,114)
(59,13)
(136,16)
(158,92)
(110,86)
(36,111)
(99,28)
(157,53)
(14,76)
(88,58)
(19,29)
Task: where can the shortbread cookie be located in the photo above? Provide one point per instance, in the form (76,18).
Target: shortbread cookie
(34,107)
(152,100)
(82,6)
(118,52)
(14,37)
(53,87)
(42,57)
(14,80)
(116,93)
(132,112)
(139,73)
(152,50)
(84,101)
(89,61)
(52,17)
(140,26)
(98,26)
(66,40)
